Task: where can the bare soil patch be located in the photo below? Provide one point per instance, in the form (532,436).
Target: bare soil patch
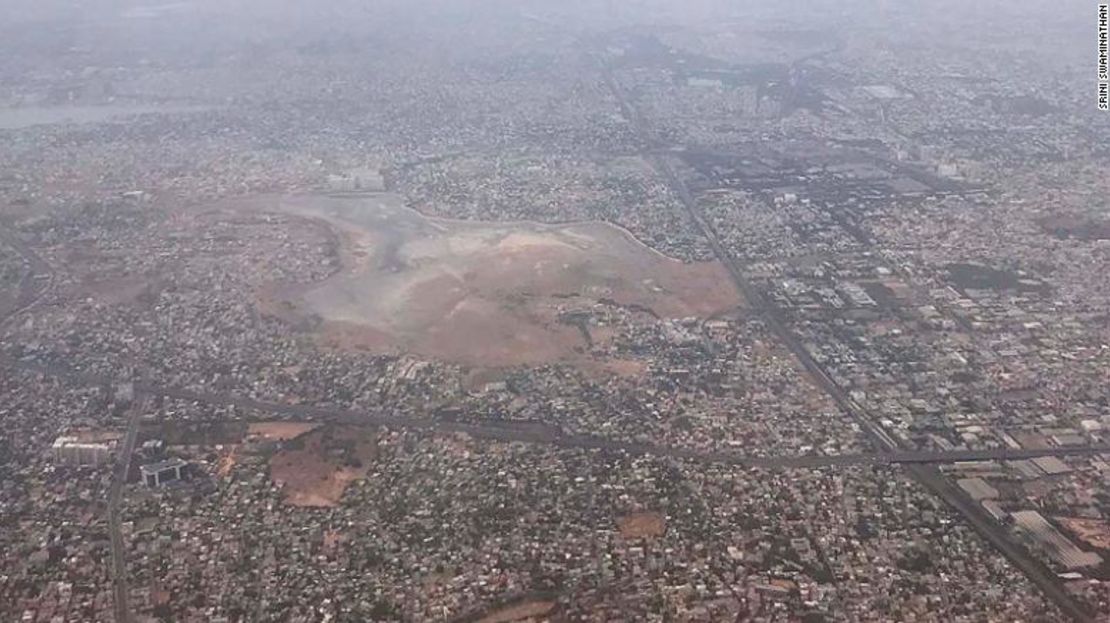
(315,468)
(332,540)
(227,461)
(480,294)
(96,436)
(1093,532)
(625,367)
(280,431)
(642,525)
(527,611)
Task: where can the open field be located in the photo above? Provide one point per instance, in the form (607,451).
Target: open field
(481,294)
(642,525)
(315,468)
(527,611)
(1093,532)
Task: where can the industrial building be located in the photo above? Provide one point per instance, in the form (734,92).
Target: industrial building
(163,472)
(1058,546)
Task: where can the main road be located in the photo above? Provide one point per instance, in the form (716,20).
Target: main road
(542,434)
(34,285)
(120,591)
(31,289)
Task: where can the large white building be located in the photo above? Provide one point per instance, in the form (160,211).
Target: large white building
(73,451)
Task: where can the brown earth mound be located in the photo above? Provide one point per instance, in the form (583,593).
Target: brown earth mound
(482,294)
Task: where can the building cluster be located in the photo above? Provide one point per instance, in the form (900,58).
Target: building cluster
(443,526)
(956,295)
(54,547)
(555,188)
(927,231)
(1057,508)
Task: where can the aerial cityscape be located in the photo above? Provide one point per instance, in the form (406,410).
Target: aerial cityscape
(494,311)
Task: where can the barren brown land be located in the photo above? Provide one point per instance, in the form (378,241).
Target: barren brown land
(280,431)
(475,293)
(527,611)
(642,525)
(315,468)
(1093,532)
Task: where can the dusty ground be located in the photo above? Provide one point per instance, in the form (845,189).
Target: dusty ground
(1093,532)
(280,431)
(227,461)
(332,540)
(96,436)
(528,611)
(482,294)
(642,525)
(315,468)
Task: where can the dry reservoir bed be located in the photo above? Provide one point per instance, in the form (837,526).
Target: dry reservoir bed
(482,294)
